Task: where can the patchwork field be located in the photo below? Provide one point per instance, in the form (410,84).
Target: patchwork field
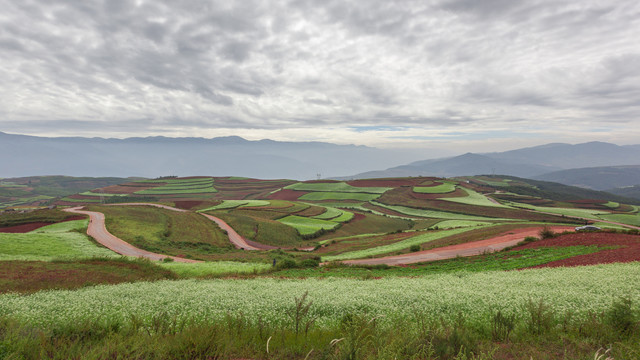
(275,300)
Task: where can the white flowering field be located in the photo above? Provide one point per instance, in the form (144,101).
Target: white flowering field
(474,295)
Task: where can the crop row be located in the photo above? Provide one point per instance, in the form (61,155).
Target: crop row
(438,189)
(433,213)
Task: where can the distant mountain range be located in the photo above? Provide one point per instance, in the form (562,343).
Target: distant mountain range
(22,155)
(593,165)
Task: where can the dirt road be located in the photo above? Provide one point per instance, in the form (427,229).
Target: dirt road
(99,232)
(467,249)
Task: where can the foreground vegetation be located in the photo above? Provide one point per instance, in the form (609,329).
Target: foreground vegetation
(540,313)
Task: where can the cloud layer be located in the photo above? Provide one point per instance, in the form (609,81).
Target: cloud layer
(371,72)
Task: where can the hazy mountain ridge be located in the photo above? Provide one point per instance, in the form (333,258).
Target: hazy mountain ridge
(526,162)
(597,178)
(22,155)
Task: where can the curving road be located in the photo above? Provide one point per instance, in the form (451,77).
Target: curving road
(98,231)
(467,249)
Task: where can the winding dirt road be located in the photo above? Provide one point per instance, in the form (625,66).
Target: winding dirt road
(98,231)
(467,249)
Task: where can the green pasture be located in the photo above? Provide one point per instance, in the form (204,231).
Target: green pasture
(434,213)
(476,199)
(438,189)
(339,187)
(307,226)
(57,241)
(400,245)
(629,219)
(318,196)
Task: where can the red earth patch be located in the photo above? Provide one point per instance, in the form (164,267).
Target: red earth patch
(628,248)
(187,204)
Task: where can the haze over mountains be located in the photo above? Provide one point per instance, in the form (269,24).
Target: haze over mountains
(22,155)
(595,165)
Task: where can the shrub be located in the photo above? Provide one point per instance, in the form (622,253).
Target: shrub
(540,316)
(547,233)
(621,316)
(502,325)
(414,248)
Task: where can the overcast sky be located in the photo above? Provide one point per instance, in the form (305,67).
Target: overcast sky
(464,74)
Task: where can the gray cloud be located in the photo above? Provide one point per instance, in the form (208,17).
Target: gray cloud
(178,66)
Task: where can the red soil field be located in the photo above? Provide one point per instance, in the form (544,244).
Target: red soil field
(287,194)
(187,204)
(25,228)
(628,248)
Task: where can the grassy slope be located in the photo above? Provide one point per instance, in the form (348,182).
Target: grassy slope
(59,241)
(165,231)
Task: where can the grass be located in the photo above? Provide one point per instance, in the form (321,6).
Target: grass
(66,274)
(397,246)
(474,198)
(433,213)
(91,193)
(264,231)
(230,204)
(215,268)
(318,196)
(629,219)
(450,224)
(438,189)
(307,226)
(165,231)
(162,191)
(503,261)
(329,214)
(336,187)
(58,241)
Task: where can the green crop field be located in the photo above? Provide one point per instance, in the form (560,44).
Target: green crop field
(318,196)
(475,198)
(329,214)
(57,241)
(230,204)
(162,191)
(400,245)
(215,268)
(582,213)
(629,219)
(438,189)
(433,213)
(336,187)
(307,226)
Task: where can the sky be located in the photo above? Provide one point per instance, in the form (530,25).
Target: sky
(461,75)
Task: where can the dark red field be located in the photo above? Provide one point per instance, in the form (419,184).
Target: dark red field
(25,228)
(627,248)
(386,182)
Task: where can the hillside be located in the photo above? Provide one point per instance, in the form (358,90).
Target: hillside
(596,178)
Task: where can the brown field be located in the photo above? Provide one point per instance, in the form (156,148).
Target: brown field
(32,276)
(386,182)
(25,228)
